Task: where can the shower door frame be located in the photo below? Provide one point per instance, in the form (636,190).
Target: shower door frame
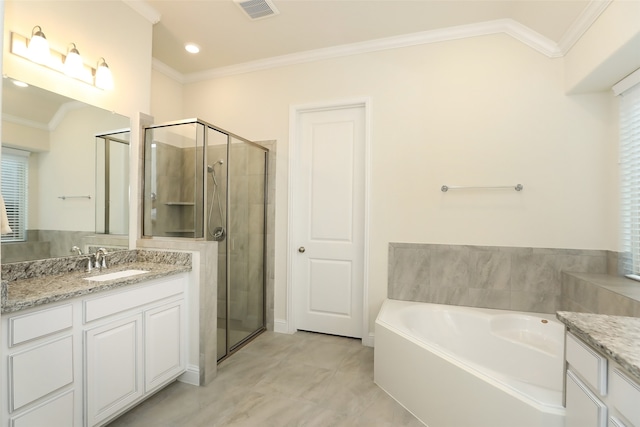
(229,350)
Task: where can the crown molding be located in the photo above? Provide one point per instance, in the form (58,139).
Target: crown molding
(168,71)
(53,123)
(580,26)
(25,122)
(62,111)
(144,9)
(507,26)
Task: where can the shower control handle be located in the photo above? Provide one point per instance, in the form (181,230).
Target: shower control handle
(301,249)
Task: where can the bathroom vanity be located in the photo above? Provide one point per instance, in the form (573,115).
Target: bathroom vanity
(87,346)
(603,370)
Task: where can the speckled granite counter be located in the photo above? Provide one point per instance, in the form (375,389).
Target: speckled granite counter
(33,283)
(617,337)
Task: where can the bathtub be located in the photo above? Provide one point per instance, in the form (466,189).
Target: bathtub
(457,366)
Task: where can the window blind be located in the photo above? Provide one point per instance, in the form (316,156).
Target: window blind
(15,170)
(630,178)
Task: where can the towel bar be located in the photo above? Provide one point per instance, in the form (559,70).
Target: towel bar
(518,187)
(74,197)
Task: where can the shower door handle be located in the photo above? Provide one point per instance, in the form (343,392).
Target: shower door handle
(301,249)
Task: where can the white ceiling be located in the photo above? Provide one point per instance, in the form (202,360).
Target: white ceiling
(227,37)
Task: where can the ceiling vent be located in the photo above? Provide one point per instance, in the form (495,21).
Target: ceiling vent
(257,9)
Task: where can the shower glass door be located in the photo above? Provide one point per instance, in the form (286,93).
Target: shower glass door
(246,245)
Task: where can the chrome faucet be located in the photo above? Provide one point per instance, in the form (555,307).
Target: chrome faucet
(101,258)
(76,250)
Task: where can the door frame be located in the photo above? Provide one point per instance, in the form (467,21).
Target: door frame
(295,111)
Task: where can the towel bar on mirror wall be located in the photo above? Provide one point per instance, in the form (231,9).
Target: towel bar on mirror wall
(74,197)
(517,187)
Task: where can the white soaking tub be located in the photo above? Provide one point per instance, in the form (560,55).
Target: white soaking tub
(455,366)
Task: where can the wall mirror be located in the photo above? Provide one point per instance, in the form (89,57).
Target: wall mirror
(65,167)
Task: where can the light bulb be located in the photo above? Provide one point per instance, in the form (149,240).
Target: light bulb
(104,78)
(192,48)
(73,65)
(38,49)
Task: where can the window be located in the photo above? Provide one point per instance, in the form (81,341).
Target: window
(630,177)
(15,171)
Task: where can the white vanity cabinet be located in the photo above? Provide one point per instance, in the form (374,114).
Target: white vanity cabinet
(599,393)
(40,385)
(84,362)
(134,343)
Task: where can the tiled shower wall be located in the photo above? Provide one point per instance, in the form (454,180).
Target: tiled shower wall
(522,279)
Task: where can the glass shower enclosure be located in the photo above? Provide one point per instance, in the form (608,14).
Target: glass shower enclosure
(204,183)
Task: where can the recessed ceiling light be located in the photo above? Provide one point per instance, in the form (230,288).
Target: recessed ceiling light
(20,84)
(192,48)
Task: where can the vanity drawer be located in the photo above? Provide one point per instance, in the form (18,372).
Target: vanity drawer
(39,324)
(55,412)
(589,365)
(625,396)
(100,307)
(36,372)
(584,409)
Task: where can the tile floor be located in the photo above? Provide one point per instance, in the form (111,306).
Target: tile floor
(280,380)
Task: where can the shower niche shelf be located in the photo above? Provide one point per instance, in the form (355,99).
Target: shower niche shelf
(179,203)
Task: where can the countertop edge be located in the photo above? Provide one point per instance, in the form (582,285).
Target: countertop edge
(596,331)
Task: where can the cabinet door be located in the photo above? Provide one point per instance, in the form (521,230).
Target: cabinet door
(165,356)
(584,409)
(113,363)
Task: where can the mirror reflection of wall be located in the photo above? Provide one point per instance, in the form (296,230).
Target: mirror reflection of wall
(59,135)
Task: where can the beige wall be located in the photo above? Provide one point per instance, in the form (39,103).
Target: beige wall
(166,99)
(608,52)
(481,111)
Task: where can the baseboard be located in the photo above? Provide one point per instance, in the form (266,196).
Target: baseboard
(368,340)
(191,376)
(281,326)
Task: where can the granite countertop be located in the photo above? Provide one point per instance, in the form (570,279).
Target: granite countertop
(617,337)
(31,289)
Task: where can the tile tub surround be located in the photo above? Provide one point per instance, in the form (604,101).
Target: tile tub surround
(600,293)
(522,279)
(33,283)
(618,337)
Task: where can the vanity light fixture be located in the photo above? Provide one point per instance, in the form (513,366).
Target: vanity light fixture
(38,47)
(104,78)
(70,63)
(73,65)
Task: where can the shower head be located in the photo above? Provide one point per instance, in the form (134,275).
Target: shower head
(210,167)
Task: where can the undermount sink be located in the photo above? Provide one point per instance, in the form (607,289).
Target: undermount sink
(115,275)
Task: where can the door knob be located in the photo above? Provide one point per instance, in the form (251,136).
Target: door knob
(301,249)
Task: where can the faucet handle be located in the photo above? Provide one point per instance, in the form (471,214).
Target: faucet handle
(89,262)
(102,260)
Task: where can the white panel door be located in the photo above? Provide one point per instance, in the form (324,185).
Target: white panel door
(328,264)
